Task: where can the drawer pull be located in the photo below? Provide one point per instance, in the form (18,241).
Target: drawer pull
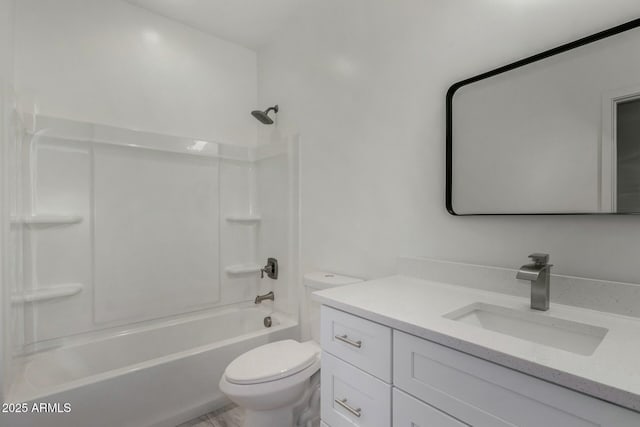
(343,403)
(345,339)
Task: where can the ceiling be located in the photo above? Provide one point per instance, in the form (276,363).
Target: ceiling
(250,23)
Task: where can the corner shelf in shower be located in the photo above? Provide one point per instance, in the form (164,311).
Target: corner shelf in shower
(49,293)
(243,269)
(244,219)
(47,219)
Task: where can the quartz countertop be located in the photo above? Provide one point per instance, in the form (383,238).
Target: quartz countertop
(417,307)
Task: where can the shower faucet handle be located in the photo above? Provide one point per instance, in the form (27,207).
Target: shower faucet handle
(271,269)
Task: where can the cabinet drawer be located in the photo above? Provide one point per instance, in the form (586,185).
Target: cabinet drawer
(351,397)
(358,341)
(410,412)
(482,393)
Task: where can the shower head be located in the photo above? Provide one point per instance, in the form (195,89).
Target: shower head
(263,116)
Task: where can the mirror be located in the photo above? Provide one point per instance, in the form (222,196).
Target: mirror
(556,133)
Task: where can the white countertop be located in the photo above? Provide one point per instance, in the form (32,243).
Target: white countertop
(417,307)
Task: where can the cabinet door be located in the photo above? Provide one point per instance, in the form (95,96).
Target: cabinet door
(484,394)
(410,412)
(351,397)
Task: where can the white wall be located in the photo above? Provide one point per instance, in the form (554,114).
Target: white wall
(6,81)
(364,83)
(109,62)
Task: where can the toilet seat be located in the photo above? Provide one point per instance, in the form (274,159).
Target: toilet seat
(271,362)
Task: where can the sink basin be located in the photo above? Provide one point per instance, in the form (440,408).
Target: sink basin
(563,334)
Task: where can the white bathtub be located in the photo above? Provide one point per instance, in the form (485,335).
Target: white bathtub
(158,375)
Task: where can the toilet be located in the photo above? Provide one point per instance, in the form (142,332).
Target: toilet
(278,384)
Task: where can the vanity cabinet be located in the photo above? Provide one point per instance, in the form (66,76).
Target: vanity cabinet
(484,394)
(355,396)
(373,375)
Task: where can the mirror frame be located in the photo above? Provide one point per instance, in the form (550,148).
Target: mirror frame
(505,68)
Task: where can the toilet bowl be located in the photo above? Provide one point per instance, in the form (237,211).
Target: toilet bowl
(277,384)
(272,382)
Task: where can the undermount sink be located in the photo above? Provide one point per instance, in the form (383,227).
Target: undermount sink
(563,334)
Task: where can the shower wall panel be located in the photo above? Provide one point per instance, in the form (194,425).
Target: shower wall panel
(277,196)
(156,233)
(58,254)
(238,241)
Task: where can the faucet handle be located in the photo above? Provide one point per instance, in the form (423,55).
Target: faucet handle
(539,259)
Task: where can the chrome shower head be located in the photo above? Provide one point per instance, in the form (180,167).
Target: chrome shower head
(263,116)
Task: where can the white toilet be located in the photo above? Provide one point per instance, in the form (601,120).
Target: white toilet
(278,384)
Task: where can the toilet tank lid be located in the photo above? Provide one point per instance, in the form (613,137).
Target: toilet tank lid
(324,280)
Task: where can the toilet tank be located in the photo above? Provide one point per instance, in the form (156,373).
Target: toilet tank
(317,281)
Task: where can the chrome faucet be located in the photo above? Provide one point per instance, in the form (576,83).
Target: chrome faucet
(539,273)
(270,296)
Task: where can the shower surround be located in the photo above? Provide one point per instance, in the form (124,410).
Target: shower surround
(140,258)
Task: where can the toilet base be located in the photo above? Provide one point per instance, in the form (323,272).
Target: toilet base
(292,401)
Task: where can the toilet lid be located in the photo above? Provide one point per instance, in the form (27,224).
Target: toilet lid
(270,362)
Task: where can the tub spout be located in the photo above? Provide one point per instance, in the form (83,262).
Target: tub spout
(270,296)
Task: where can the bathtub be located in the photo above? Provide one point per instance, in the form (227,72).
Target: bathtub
(158,375)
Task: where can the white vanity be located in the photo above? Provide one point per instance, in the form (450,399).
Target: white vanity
(406,351)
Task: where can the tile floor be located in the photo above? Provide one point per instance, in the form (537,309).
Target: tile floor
(228,416)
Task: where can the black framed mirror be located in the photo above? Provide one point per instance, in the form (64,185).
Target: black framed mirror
(557,133)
